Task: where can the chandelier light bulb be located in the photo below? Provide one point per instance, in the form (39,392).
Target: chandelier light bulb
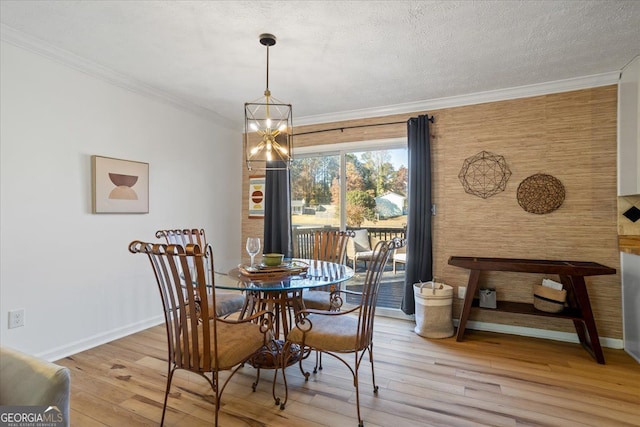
(253,126)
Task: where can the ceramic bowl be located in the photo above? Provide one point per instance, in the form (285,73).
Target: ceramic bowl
(272,260)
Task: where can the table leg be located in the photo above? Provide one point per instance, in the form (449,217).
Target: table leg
(250,305)
(590,340)
(472,287)
(271,356)
(573,303)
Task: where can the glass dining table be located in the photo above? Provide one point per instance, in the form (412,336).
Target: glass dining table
(281,294)
(280,291)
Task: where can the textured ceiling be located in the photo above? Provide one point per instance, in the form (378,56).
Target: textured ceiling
(335,56)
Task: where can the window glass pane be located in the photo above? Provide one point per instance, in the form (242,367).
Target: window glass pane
(313,203)
(377,188)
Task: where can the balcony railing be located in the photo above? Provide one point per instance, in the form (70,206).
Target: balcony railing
(303,237)
(391,292)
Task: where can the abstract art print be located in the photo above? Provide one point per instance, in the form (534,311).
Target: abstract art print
(256,196)
(119,186)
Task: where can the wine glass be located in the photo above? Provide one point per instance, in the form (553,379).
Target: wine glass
(253,247)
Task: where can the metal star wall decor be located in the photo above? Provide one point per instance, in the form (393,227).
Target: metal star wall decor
(484,174)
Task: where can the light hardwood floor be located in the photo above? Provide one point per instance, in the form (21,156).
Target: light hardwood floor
(488,379)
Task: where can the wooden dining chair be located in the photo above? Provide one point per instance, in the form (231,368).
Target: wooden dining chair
(227,302)
(339,333)
(198,340)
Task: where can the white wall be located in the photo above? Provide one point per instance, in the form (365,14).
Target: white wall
(70,269)
(629,129)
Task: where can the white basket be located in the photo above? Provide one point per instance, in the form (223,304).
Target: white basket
(433,309)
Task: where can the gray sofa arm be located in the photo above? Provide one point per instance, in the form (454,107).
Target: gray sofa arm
(29,381)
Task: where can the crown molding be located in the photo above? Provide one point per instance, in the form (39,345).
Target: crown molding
(35,45)
(547,88)
(17,38)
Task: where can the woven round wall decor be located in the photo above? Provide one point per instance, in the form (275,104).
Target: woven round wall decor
(540,194)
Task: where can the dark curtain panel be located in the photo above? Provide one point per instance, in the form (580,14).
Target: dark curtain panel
(277,213)
(419,252)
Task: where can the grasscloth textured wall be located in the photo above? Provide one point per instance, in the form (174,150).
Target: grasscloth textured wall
(571,136)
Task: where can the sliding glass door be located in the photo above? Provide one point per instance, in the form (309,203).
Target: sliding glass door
(353,188)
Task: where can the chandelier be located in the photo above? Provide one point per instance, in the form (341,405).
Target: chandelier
(268,127)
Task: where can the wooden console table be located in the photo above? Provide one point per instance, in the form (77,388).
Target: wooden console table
(572,277)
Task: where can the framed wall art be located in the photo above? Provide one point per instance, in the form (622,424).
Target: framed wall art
(256,196)
(119,186)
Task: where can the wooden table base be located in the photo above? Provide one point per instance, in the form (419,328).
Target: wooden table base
(572,277)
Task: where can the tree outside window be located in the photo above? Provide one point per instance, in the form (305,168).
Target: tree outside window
(375,187)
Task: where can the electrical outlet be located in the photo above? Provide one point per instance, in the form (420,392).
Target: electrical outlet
(16,318)
(462,291)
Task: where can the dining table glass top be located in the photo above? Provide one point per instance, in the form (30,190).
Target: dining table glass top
(314,274)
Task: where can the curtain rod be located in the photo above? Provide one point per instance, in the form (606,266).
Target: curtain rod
(341,129)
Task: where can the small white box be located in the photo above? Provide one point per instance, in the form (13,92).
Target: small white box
(552,284)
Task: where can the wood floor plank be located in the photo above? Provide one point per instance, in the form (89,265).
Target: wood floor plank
(454,405)
(80,419)
(487,379)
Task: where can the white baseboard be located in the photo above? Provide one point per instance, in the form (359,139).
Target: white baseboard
(539,333)
(633,355)
(513,330)
(96,340)
(82,345)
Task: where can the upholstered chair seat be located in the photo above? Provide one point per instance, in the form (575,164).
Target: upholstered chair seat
(227,302)
(236,343)
(319,300)
(330,333)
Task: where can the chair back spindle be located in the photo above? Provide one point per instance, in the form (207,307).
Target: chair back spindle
(331,245)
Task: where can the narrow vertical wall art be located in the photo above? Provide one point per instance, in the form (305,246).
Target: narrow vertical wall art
(256,196)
